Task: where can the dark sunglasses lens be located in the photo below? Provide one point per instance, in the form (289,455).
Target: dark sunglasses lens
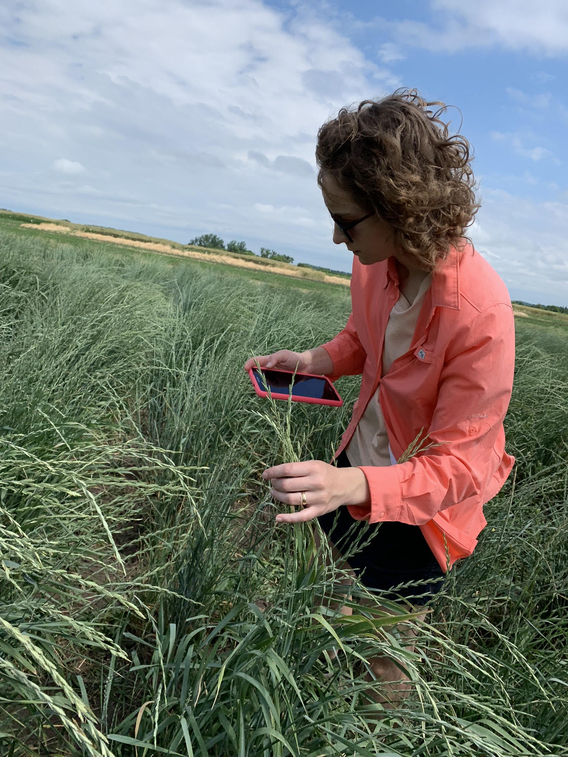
(343,230)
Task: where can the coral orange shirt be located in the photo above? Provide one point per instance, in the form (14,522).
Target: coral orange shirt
(454,384)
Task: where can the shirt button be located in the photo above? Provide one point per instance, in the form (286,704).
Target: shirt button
(421,354)
(382,513)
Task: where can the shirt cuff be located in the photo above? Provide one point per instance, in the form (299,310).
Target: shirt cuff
(386,495)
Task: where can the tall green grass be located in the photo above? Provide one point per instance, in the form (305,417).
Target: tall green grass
(149,603)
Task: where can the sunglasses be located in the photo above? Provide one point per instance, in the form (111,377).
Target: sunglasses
(345,227)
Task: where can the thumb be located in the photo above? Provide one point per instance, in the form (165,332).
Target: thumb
(275,359)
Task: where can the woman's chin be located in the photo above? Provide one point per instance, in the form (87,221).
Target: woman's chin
(364,259)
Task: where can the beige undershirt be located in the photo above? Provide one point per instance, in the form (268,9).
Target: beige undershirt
(369,445)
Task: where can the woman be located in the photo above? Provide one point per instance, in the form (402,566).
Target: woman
(431,331)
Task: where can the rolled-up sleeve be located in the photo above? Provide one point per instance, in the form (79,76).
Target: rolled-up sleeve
(474,392)
(346,352)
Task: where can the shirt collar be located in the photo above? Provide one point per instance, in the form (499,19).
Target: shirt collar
(445,287)
(392,273)
(446,281)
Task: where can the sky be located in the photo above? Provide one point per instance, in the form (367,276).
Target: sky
(177,118)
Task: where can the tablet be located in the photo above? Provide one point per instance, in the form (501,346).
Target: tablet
(300,387)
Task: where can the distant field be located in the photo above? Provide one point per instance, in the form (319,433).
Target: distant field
(269,273)
(148,603)
(164,246)
(540,317)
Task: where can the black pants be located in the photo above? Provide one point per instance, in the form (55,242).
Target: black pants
(392,553)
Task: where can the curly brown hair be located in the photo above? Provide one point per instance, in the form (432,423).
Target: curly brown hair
(396,158)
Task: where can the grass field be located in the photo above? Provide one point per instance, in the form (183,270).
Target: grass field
(149,604)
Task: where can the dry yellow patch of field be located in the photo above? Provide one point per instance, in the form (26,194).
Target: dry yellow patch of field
(209,257)
(47,227)
(518,314)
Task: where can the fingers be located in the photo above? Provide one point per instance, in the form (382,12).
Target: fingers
(292,496)
(290,480)
(311,487)
(283,359)
(301,516)
(259,359)
(290,470)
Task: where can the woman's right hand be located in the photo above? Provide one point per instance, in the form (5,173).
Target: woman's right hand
(316,361)
(284,360)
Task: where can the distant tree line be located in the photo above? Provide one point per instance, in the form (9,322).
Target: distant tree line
(553,308)
(216,243)
(266,253)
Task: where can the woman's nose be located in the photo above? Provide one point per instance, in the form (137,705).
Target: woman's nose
(338,236)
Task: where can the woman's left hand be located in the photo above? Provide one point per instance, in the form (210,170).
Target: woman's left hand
(325,488)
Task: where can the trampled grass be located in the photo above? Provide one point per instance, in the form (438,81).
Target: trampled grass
(150,605)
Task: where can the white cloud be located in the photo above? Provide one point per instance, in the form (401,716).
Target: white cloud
(284,163)
(542,77)
(235,58)
(534,153)
(540,26)
(390,53)
(198,116)
(72,167)
(518,143)
(286,215)
(523,241)
(187,107)
(534,181)
(540,101)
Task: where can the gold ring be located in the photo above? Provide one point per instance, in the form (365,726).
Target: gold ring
(303,498)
